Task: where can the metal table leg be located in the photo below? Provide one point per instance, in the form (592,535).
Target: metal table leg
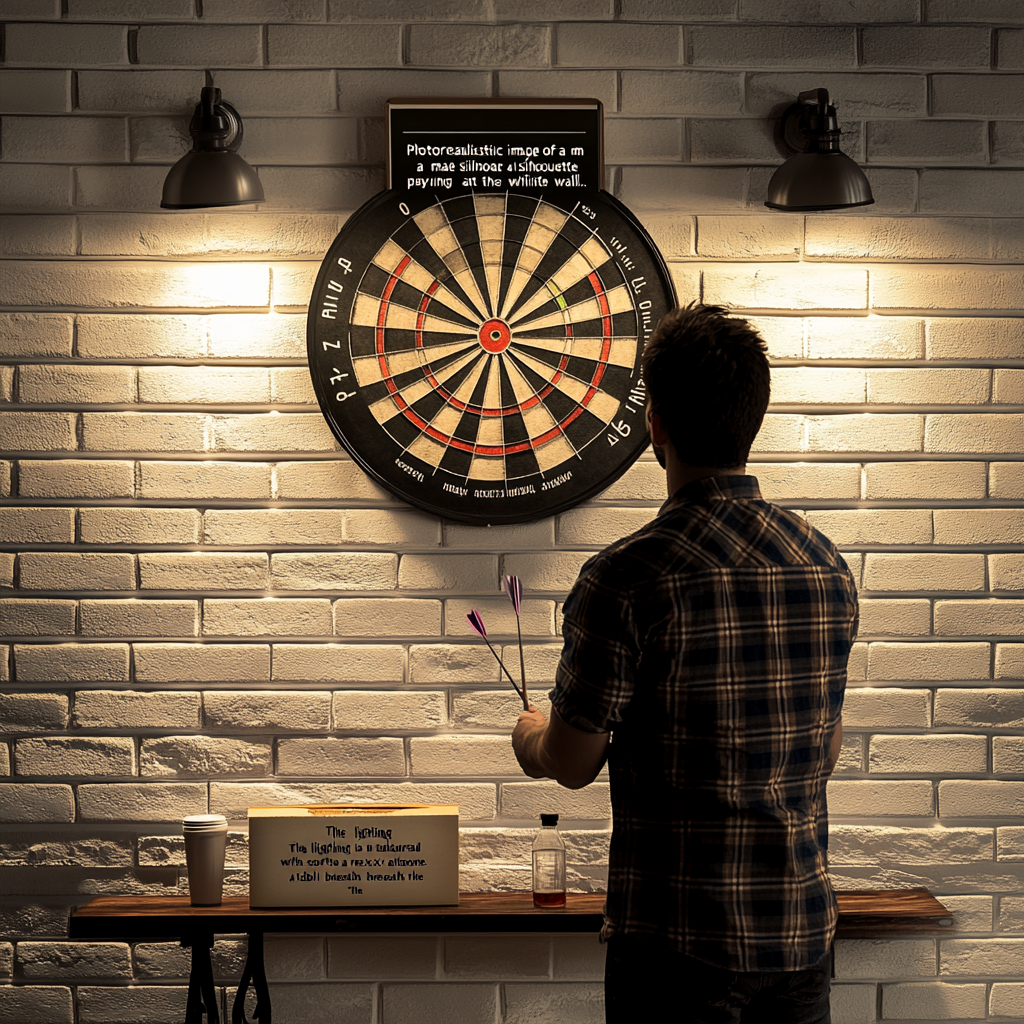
(254,974)
(202,996)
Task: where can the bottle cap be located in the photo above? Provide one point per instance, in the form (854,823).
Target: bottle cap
(549,819)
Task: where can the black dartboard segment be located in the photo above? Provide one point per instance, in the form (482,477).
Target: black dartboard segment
(479,356)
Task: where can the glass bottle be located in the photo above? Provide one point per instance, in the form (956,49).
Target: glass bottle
(548,864)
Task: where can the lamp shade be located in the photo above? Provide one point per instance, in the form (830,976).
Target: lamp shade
(212,174)
(818,176)
(818,181)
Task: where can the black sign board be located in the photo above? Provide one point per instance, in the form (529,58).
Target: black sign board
(445,148)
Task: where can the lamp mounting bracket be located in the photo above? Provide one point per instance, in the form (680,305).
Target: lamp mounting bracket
(810,125)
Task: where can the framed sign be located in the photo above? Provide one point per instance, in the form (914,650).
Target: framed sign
(475,331)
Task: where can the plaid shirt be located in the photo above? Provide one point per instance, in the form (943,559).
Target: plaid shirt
(713,644)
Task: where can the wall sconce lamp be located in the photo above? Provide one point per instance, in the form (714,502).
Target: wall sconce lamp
(212,174)
(819,176)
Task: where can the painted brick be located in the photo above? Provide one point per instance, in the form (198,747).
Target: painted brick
(407,1003)
(1000,708)
(274,526)
(865,338)
(885,707)
(50,570)
(348,663)
(78,478)
(909,387)
(546,572)
(27,236)
(276,236)
(874,526)
(536,616)
(164,663)
(882,618)
(1007,240)
(854,95)
(595,527)
(374,956)
(748,237)
(463,755)
(505,956)
(7,570)
(880,799)
(139,526)
(1006,999)
(708,189)
(104,709)
(302,141)
(972,799)
(924,572)
(308,711)
(203,384)
(87,140)
(617,46)
(209,480)
(767,46)
(131,617)
(351,756)
(370,616)
(936,754)
(74,960)
(40,92)
(539,534)
(643,481)
(22,802)
(195,570)
(996,433)
(38,431)
(266,616)
(334,571)
(281,432)
(36,334)
(292,386)
(448,572)
(935,480)
(379,526)
(984,526)
(1009,661)
(187,45)
(1005,11)
(879,238)
(66,45)
(933,661)
(365,91)
(937,1000)
(966,618)
(993,192)
(923,47)
(67,755)
(340,479)
(980,957)
(120,284)
(33,712)
(468,46)
(1010,846)
(44,188)
(23,617)
(150,801)
(118,336)
(218,756)
(637,140)
(976,95)
(813,10)
(26,525)
(813,385)
(37,1004)
(800,286)
(378,711)
(320,188)
(150,91)
(1008,386)
(680,92)
(143,431)
(985,338)
(1008,755)
(942,288)
(884,959)
(294,958)
(1006,572)
(71,662)
(67,849)
(281,92)
(334,46)
(140,1004)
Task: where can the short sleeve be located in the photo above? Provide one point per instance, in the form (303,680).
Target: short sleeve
(596,672)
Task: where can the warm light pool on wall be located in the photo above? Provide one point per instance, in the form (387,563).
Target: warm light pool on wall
(818,176)
(212,174)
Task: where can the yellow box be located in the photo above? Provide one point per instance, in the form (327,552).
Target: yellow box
(354,855)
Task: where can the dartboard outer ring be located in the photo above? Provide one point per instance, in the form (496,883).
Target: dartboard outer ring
(479,355)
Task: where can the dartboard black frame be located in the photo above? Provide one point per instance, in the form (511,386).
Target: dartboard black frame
(479,355)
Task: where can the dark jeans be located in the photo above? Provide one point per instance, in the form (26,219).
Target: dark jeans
(647,980)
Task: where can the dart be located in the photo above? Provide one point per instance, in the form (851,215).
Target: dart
(514,588)
(473,617)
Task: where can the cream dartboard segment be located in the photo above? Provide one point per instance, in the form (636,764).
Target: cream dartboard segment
(479,355)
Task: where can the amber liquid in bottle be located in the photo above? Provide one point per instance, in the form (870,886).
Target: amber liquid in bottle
(549,899)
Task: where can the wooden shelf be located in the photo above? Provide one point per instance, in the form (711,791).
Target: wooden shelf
(862,914)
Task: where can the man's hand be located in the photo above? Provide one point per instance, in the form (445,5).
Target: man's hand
(553,750)
(525,741)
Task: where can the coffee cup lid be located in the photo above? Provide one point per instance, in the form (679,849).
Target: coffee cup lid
(204,820)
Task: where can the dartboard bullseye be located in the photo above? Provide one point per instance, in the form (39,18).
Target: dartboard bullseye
(479,355)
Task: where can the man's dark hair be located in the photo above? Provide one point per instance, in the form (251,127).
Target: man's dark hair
(708,379)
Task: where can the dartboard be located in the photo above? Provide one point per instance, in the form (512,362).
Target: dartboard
(479,355)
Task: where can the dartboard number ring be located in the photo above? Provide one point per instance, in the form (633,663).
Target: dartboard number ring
(479,356)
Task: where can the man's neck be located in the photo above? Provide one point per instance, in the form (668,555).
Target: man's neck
(679,474)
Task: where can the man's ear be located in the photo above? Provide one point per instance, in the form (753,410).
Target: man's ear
(659,435)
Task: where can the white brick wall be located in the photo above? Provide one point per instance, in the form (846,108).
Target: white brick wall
(211,607)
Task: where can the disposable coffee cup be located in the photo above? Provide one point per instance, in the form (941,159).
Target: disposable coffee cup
(206,840)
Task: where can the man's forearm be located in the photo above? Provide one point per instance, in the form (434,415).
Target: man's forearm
(553,750)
